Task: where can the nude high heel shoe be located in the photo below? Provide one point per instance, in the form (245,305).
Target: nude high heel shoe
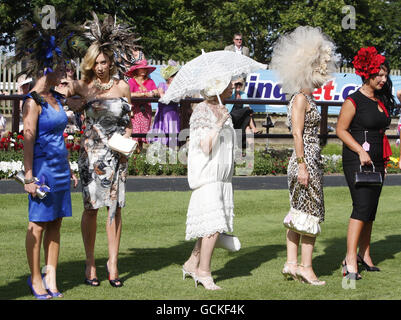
(286,272)
(186,272)
(207,282)
(304,279)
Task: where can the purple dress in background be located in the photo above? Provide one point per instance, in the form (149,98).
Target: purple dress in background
(167,120)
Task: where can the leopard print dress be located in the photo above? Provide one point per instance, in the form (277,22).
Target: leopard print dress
(307,199)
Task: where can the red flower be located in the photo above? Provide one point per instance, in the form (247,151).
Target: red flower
(81,132)
(20,137)
(3,139)
(367,62)
(65,134)
(77,147)
(69,145)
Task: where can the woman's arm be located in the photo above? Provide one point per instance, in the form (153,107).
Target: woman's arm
(152,89)
(347,113)
(209,141)
(161,91)
(299,107)
(30,118)
(74,88)
(127,94)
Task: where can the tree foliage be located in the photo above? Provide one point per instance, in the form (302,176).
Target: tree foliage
(179,29)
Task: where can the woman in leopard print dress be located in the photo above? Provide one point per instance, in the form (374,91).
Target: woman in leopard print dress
(306,198)
(303,60)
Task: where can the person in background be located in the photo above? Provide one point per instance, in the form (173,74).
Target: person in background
(137,55)
(141,85)
(242,115)
(237,45)
(167,118)
(75,119)
(24,85)
(3,122)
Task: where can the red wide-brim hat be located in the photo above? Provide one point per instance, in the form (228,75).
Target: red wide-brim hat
(141,64)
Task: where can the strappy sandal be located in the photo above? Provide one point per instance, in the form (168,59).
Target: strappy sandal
(207,282)
(116,283)
(286,272)
(186,272)
(304,279)
(91,282)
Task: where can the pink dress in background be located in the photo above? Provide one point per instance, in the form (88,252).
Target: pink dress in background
(142,117)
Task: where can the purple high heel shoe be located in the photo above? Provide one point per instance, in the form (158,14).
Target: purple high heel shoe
(45,296)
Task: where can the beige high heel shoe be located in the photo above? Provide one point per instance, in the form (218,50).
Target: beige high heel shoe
(207,282)
(186,272)
(286,272)
(304,279)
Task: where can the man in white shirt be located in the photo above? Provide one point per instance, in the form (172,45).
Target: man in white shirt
(237,46)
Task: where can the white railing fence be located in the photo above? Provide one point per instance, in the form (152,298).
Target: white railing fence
(8,77)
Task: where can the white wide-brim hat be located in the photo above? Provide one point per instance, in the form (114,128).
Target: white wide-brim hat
(24,81)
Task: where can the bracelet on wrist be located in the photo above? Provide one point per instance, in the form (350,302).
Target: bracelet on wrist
(300,160)
(28,181)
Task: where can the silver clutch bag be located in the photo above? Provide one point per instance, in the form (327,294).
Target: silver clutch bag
(302,223)
(123,145)
(41,191)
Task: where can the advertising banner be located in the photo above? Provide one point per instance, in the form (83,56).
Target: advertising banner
(264,85)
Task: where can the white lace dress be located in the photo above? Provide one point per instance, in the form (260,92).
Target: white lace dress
(211,207)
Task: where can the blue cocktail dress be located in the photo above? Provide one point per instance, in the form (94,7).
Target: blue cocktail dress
(50,163)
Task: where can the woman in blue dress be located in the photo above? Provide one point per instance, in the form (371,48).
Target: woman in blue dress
(45,157)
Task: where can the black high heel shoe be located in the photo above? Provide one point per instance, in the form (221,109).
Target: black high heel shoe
(366,266)
(349,275)
(91,282)
(116,283)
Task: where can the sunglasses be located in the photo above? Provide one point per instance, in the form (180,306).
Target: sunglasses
(238,39)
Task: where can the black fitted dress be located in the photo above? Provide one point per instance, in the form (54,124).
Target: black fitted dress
(368,121)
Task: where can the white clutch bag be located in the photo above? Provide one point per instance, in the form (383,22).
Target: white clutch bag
(228,242)
(123,145)
(302,223)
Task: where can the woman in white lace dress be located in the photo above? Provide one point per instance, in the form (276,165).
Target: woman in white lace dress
(210,170)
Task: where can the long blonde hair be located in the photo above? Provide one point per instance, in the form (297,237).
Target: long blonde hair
(90,58)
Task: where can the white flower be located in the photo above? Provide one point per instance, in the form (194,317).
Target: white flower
(74,166)
(70,137)
(10,168)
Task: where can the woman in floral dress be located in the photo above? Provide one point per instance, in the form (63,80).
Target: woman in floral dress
(103,172)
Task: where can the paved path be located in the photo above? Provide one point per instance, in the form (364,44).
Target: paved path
(140,184)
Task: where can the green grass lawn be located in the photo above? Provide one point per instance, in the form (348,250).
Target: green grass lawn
(153,250)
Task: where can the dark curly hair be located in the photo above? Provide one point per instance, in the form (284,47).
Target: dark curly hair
(385,94)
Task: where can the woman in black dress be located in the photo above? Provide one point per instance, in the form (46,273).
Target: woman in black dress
(361,125)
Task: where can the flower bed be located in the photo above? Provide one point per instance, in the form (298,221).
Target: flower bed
(272,162)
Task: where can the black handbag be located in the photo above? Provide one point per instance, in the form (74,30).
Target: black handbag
(368,178)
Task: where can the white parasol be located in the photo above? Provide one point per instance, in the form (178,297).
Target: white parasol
(209,72)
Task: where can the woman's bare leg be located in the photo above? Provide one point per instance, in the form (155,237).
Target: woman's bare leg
(88,229)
